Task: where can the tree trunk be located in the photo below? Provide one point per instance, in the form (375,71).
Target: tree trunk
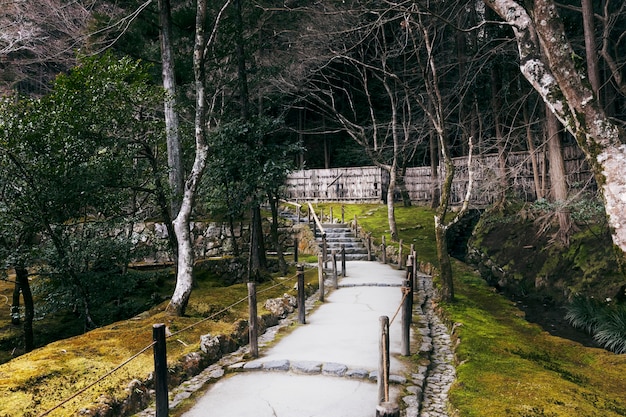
(273,199)
(434,171)
(533,154)
(242,72)
(184,272)
(557,79)
(406,197)
(257,261)
(231,226)
(15,304)
(590,47)
(445,264)
(391,211)
(162,201)
(558,180)
(393,168)
(500,145)
(174,149)
(21,279)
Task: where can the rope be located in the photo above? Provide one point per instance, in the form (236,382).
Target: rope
(405,292)
(103,377)
(76,394)
(225,309)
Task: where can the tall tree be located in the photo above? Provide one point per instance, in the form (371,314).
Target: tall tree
(559,81)
(186,256)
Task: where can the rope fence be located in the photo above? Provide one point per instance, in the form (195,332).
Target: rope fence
(407,292)
(169,336)
(385,407)
(97,381)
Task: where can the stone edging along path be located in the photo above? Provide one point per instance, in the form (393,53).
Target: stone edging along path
(426,389)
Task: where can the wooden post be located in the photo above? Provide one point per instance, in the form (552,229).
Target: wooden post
(343,214)
(298,213)
(405,345)
(415,279)
(400,255)
(301,296)
(295,250)
(322,215)
(325,251)
(335,278)
(330,216)
(383,248)
(320,276)
(356,227)
(387,410)
(369,247)
(252,322)
(409,269)
(383,363)
(160,370)
(343,260)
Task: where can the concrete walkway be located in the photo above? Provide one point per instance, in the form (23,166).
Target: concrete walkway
(325,368)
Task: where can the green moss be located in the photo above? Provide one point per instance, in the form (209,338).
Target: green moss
(506,366)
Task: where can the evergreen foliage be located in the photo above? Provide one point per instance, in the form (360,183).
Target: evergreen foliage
(71,170)
(606,322)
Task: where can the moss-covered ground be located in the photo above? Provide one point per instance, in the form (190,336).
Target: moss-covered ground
(36,382)
(510,367)
(506,365)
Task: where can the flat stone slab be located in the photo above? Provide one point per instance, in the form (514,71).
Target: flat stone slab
(270,394)
(306,367)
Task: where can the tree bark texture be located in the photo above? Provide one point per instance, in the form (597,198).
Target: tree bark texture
(560,84)
(184,271)
(558,181)
(590,47)
(530,140)
(174,149)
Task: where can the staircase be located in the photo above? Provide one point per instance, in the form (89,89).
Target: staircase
(338,235)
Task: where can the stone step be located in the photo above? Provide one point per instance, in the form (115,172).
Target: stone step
(349,251)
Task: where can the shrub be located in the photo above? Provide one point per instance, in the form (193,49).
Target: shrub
(585,313)
(611,331)
(605,322)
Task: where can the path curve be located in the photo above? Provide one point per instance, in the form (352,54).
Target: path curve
(345,368)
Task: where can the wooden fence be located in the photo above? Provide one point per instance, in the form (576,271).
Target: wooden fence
(370,184)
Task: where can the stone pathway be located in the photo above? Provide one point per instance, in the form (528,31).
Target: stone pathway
(423,392)
(435,380)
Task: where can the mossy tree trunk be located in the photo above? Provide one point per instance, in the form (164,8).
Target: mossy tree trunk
(437,119)
(547,62)
(441,228)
